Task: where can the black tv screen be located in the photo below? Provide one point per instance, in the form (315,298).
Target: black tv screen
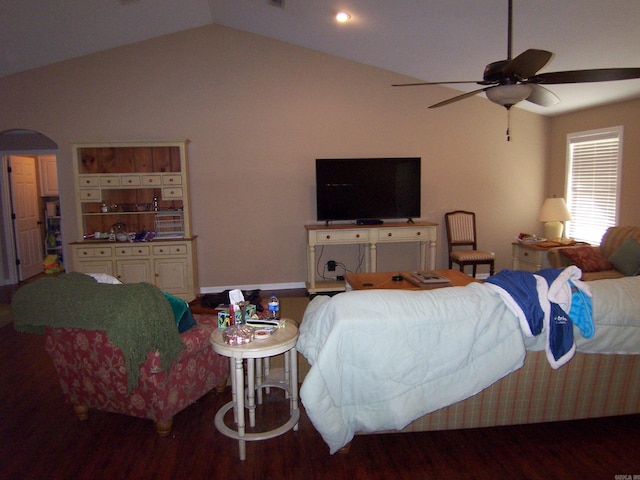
(367,188)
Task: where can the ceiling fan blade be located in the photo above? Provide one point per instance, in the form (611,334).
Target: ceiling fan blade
(430,83)
(584,76)
(527,63)
(459,97)
(541,96)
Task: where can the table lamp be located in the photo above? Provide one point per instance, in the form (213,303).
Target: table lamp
(554,212)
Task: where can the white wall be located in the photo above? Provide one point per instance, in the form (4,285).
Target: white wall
(258,112)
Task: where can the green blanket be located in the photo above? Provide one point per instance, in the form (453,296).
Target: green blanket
(136,317)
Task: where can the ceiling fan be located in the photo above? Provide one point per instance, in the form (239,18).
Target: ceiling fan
(507,82)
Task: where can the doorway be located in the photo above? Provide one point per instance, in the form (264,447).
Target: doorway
(22,243)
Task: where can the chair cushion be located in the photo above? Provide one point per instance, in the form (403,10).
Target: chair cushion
(471,256)
(626,259)
(587,259)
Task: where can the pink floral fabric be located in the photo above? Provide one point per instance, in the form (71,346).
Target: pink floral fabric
(92,372)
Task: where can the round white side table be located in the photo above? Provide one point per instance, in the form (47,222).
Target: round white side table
(282,340)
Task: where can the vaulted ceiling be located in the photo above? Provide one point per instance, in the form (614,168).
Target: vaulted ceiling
(428,40)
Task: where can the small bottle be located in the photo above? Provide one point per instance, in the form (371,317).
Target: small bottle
(274,307)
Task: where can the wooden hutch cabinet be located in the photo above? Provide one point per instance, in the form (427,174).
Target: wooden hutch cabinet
(124,190)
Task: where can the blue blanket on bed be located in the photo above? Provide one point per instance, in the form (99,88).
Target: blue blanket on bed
(545,302)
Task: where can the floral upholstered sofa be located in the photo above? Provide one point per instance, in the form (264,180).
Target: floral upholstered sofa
(124,348)
(617,256)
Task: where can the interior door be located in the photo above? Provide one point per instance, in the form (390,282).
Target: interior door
(27,227)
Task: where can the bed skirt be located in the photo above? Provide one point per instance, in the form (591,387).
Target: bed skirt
(589,386)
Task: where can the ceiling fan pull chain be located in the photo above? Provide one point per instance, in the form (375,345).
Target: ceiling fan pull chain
(508,125)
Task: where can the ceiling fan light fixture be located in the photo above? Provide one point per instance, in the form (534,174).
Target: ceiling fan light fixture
(509,94)
(343,17)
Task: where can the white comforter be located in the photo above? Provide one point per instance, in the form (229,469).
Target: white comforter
(382,358)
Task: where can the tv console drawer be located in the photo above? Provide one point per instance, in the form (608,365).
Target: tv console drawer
(327,237)
(417,234)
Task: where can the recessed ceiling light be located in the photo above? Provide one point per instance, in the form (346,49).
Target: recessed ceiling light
(343,17)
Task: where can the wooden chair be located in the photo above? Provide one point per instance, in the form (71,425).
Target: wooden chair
(461,232)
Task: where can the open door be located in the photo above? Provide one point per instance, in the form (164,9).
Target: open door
(26,215)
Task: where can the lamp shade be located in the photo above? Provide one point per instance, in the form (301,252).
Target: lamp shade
(554,212)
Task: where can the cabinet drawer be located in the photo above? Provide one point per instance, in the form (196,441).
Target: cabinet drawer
(93,252)
(130,180)
(340,236)
(88,181)
(152,180)
(132,251)
(90,195)
(109,181)
(529,255)
(172,179)
(402,234)
(172,193)
(179,249)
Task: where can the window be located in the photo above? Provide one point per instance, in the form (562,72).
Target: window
(594,159)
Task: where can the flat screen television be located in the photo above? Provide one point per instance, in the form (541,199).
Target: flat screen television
(367,190)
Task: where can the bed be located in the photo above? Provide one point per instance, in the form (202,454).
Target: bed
(458,358)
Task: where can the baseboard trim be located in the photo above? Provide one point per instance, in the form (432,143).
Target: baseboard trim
(277,286)
(255,286)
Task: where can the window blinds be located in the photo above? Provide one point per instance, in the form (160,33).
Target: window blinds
(593,177)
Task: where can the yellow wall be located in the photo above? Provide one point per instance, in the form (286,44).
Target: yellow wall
(626,114)
(258,112)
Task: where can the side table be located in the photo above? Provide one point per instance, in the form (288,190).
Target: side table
(282,340)
(531,257)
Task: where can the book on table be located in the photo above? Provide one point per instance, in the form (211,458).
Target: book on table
(424,278)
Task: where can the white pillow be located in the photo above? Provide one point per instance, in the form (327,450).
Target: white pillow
(104,278)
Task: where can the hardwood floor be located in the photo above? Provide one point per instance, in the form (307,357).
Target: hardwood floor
(40,438)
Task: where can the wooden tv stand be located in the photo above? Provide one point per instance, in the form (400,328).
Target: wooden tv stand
(424,233)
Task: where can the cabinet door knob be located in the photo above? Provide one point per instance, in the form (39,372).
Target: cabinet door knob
(390,234)
(357,235)
(328,237)
(418,233)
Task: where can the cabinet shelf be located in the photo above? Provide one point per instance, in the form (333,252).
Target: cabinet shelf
(145,212)
(52,233)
